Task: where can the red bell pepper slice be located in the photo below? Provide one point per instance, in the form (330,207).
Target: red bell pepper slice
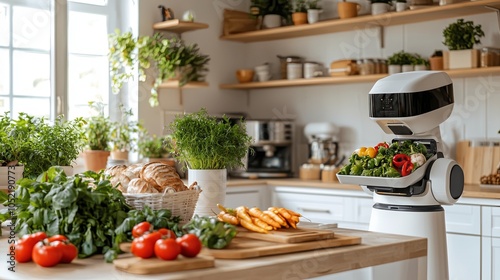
(407,168)
(381,144)
(400,159)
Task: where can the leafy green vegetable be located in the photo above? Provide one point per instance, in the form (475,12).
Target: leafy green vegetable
(85,207)
(213,233)
(381,165)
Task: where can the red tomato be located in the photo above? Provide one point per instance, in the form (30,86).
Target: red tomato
(167,249)
(46,255)
(69,251)
(190,245)
(167,233)
(143,246)
(141,228)
(57,237)
(24,246)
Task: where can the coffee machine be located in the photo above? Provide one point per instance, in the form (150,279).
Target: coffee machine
(323,145)
(270,154)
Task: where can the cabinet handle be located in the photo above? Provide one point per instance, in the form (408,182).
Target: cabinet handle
(314,210)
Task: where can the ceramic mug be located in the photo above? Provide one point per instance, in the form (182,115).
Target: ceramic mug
(263,76)
(348,9)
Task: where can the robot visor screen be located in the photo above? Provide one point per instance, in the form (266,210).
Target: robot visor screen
(408,104)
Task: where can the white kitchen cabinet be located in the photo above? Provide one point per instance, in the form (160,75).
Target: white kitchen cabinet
(463,227)
(349,209)
(491,243)
(250,196)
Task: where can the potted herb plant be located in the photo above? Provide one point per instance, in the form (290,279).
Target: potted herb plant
(460,38)
(313,11)
(57,144)
(155,148)
(123,136)
(436,60)
(299,15)
(420,63)
(272,12)
(208,147)
(15,147)
(397,60)
(171,58)
(97,132)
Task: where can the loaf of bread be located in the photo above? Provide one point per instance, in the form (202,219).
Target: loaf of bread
(162,176)
(138,185)
(115,172)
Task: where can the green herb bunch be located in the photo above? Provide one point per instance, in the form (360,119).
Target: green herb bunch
(98,128)
(212,233)
(401,58)
(204,142)
(57,144)
(462,35)
(313,5)
(123,131)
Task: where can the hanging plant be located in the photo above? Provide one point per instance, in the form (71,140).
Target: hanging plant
(170,57)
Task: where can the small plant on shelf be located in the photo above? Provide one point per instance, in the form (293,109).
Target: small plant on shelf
(462,35)
(313,5)
(300,6)
(400,58)
(267,7)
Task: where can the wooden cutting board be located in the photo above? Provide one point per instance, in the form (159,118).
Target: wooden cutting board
(288,235)
(244,248)
(154,265)
(477,161)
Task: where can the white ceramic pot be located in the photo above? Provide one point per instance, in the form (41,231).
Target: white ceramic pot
(393,69)
(420,67)
(9,176)
(271,21)
(213,185)
(380,8)
(407,68)
(400,6)
(313,15)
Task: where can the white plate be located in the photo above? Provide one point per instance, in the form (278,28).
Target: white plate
(401,182)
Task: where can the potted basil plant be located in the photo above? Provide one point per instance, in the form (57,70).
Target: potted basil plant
(123,136)
(209,146)
(313,11)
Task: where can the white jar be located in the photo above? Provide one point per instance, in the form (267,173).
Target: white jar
(310,69)
(294,71)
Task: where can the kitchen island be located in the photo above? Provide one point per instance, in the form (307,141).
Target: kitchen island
(375,249)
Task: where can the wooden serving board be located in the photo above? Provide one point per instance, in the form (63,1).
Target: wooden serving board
(244,248)
(288,235)
(154,265)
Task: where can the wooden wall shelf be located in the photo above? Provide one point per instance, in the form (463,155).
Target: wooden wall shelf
(366,21)
(190,85)
(177,26)
(459,73)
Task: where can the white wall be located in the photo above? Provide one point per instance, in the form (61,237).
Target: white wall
(477,99)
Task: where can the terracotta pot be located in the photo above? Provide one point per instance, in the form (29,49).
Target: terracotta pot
(299,18)
(96,160)
(436,63)
(117,154)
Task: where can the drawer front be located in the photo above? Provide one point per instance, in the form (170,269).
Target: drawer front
(248,198)
(316,208)
(462,218)
(491,221)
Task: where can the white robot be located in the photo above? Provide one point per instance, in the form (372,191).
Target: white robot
(412,105)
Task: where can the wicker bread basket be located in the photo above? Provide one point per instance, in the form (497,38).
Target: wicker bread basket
(181,203)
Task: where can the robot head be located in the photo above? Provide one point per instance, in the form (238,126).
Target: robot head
(411,103)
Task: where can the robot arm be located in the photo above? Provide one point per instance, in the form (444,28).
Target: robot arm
(447,180)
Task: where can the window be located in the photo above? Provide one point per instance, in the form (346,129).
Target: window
(45,72)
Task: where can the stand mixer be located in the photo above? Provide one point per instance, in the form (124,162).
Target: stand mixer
(412,105)
(323,147)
